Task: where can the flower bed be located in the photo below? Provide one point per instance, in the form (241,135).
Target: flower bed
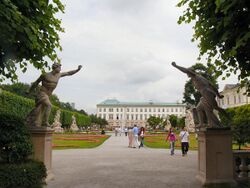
(66,141)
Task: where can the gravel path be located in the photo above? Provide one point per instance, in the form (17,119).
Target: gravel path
(114,165)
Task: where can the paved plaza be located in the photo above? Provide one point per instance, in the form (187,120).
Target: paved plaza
(114,165)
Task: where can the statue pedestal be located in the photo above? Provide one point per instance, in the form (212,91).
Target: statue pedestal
(42,143)
(215,156)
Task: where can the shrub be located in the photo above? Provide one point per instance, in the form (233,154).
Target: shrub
(15,144)
(25,175)
(239,121)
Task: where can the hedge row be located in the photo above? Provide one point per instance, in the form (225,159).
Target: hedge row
(30,174)
(19,106)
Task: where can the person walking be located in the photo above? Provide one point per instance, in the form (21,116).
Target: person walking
(171,138)
(126,131)
(130,137)
(135,134)
(141,136)
(184,137)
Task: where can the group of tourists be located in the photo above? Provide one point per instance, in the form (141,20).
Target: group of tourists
(184,137)
(136,137)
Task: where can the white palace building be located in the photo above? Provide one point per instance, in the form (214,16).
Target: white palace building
(125,114)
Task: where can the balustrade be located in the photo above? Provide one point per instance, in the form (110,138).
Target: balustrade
(241,159)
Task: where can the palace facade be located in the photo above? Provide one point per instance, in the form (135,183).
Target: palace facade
(125,114)
(233,96)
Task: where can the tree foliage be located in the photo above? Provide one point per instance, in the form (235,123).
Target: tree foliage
(28,34)
(154,121)
(239,121)
(98,121)
(222,30)
(191,95)
(173,120)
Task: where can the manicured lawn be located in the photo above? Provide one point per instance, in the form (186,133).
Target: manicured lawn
(70,141)
(158,141)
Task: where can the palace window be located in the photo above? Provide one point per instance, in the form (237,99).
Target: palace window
(111,116)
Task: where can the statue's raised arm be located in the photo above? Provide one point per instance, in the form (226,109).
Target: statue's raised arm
(69,73)
(189,72)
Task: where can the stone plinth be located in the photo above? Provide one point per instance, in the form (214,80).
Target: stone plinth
(215,156)
(42,146)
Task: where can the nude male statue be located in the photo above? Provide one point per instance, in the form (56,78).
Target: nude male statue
(207,102)
(39,116)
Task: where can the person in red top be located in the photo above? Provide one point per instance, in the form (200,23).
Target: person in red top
(171,138)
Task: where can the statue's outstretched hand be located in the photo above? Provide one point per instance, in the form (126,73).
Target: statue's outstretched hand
(173,63)
(221,96)
(79,67)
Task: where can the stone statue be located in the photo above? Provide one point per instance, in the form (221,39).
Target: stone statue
(73,125)
(57,126)
(189,120)
(39,116)
(207,102)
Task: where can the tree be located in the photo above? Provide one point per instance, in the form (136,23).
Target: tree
(222,30)
(181,122)
(154,121)
(191,96)
(239,121)
(98,121)
(173,120)
(28,34)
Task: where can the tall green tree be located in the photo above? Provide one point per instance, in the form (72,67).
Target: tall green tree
(191,95)
(173,120)
(154,121)
(28,35)
(222,31)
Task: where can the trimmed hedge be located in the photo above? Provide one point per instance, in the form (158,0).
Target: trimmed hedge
(82,121)
(20,107)
(15,143)
(15,105)
(25,175)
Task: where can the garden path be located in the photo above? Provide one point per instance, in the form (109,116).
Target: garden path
(114,165)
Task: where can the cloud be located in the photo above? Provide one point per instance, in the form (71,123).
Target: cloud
(126,48)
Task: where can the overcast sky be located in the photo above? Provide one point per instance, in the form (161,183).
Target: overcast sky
(126,48)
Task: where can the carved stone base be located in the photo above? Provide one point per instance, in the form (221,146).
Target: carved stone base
(215,156)
(42,143)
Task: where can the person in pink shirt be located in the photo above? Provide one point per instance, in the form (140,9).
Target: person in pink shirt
(171,138)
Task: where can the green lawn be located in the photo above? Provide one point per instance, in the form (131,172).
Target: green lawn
(78,140)
(158,141)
